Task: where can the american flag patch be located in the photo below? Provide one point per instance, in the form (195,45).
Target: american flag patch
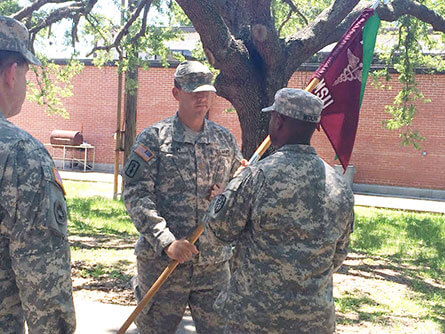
(58,179)
(144,152)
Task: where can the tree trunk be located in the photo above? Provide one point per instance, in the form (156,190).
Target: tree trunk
(131,97)
(248,97)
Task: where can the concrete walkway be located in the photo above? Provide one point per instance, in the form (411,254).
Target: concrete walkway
(99,318)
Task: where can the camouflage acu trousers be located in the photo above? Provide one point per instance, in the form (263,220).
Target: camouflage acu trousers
(194,285)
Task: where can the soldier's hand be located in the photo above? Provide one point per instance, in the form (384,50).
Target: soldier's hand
(181,250)
(215,191)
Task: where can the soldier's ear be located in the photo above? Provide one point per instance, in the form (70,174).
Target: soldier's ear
(280,120)
(175,92)
(8,75)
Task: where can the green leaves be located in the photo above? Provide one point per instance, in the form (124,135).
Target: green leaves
(411,53)
(53,83)
(8,7)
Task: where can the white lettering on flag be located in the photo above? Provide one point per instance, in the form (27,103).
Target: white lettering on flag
(323,93)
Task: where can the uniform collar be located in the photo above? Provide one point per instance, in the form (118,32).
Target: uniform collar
(3,118)
(205,135)
(299,148)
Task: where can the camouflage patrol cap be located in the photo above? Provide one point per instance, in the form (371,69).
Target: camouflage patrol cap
(192,76)
(15,37)
(298,104)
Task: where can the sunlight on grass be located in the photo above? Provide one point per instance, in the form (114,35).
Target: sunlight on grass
(416,237)
(99,215)
(87,189)
(404,253)
(101,232)
(400,256)
(98,263)
(102,255)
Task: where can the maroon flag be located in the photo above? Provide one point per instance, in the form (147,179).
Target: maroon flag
(342,79)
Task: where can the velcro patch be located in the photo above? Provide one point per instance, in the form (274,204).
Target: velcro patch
(132,168)
(58,179)
(144,152)
(59,212)
(219,204)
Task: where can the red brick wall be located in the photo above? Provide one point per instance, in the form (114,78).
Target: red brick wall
(378,156)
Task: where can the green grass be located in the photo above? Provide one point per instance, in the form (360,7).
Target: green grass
(400,259)
(102,235)
(98,215)
(410,237)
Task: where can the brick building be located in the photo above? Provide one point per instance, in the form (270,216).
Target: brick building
(382,164)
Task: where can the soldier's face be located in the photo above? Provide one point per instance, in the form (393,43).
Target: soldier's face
(193,104)
(16,78)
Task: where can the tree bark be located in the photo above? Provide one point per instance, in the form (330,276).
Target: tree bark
(131,97)
(241,41)
(254,62)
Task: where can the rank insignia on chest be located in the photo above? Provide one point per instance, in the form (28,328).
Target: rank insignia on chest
(144,152)
(220,201)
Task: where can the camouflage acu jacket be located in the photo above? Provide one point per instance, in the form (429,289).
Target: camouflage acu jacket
(291,215)
(167,178)
(34,249)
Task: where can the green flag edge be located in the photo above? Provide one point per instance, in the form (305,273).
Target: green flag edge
(369,37)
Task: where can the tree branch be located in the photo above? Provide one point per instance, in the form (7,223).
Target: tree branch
(143,25)
(293,9)
(56,16)
(125,28)
(296,10)
(226,52)
(35,6)
(85,12)
(317,34)
(397,8)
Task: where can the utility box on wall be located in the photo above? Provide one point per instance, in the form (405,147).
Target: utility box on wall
(349,175)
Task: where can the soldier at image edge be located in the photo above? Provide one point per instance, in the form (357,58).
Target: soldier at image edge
(35,271)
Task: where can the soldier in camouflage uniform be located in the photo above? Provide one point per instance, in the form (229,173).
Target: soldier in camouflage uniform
(175,168)
(35,279)
(291,216)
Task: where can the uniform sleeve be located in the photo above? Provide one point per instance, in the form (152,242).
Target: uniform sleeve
(237,155)
(229,212)
(140,174)
(341,249)
(38,244)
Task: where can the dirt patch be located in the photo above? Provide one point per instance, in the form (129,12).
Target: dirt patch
(368,290)
(102,241)
(104,287)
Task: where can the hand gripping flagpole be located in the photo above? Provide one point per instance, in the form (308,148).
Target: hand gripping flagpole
(195,236)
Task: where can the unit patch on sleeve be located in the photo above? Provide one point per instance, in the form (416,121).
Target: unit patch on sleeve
(220,201)
(144,152)
(132,168)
